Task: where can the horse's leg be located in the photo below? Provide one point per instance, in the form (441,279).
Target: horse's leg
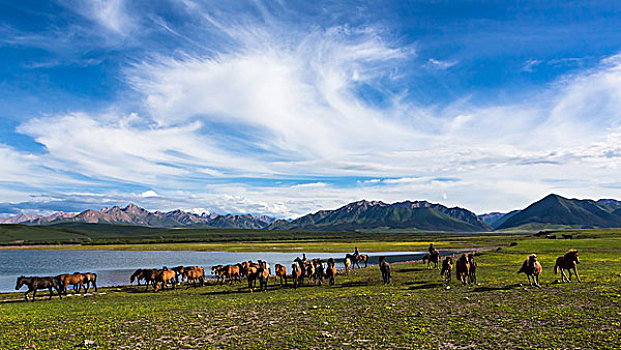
(576,272)
(51,293)
(26,294)
(34,294)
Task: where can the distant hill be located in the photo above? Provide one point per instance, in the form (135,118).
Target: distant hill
(137,216)
(496,219)
(556,211)
(375,215)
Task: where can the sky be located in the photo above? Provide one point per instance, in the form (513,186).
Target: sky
(288,107)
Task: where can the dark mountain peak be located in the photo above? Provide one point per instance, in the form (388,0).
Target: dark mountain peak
(552,197)
(131,207)
(557,211)
(611,202)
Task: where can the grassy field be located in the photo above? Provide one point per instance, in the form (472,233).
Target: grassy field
(415,311)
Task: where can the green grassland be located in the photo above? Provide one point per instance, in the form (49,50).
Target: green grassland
(415,311)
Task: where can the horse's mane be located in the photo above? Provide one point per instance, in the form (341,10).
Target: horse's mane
(570,253)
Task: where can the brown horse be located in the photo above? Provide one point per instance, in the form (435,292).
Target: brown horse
(90,278)
(568,262)
(164,277)
(532,268)
(264,275)
(385,268)
(232,272)
(281,272)
(473,268)
(433,257)
(76,279)
(331,271)
(195,275)
(462,269)
(447,266)
(296,275)
(36,283)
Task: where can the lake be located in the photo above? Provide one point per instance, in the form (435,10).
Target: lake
(113,268)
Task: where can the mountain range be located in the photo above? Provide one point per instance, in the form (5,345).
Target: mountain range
(551,212)
(135,215)
(375,215)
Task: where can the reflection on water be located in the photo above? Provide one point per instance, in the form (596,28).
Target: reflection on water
(114,267)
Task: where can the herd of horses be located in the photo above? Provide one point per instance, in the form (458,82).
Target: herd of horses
(312,271)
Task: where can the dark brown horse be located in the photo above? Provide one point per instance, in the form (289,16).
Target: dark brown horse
(447,267)
(385,268)
(462,269)
(148,275)
(35,283)
(331,271)
(532,268)
(473,268)
(568,262)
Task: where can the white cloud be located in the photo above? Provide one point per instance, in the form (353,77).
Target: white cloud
(277,104)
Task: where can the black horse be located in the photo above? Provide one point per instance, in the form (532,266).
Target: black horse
(386,269)
(35,283)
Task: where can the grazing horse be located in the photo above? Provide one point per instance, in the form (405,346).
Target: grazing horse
(331,271)
(232,272)
(473,268)
(281,272)
(385,268)
(568,262)
(35,283)
(347,265)
(76,279)
(296,274)
(447,266)
(165,276)
(532,268)
(433,257)
(462,269)
(90,280)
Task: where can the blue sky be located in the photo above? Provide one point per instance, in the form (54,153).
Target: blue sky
(284,108)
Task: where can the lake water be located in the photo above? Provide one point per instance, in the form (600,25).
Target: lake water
(113,268)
